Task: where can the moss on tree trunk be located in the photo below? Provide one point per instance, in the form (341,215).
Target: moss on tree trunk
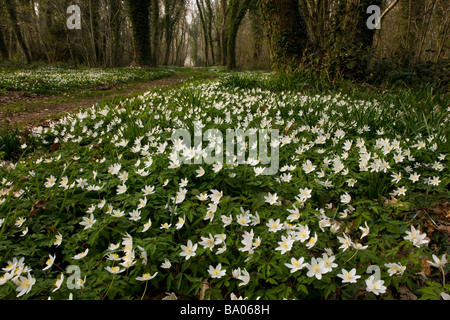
(139,11)
(237,11)
(286,32)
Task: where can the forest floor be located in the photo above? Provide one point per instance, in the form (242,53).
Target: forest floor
(87,180)
(24,109)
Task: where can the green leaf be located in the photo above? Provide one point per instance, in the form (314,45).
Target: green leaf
(302,288)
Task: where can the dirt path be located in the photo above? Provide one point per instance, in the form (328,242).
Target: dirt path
(30,110)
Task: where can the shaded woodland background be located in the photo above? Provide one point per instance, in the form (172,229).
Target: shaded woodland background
(324,36)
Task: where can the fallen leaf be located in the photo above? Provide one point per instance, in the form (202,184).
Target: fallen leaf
(406,294)
(426,269)
(444,228)
(6,191)
(55,147)
(37,208)
(287,129)
(205,286)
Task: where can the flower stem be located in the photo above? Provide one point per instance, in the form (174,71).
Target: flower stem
(109,287)
(146,282)
(356,251)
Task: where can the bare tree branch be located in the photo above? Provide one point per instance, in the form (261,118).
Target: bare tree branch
(389,8)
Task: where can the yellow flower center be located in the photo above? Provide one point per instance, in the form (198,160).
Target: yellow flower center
(25,284)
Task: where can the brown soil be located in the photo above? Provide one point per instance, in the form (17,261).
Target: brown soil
(38,108)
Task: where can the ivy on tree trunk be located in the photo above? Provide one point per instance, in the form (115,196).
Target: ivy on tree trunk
(286,32)
(3,47)
(139,11)
(11,8)
(237,11)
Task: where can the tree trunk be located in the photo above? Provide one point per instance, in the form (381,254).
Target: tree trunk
(205,32)
(364,35)
(155,30)
(139,11)
(168,39)
(257,28)
(209,12)
(3,48)
(427,18)
(231,50)
(194,33)
(179,45)
(115,19)
(223,32)
(72,57)
(410,22)
(348,51)
(95,34)
(39,35)
(173,10)
(238,9)
(286,32)
(11,8)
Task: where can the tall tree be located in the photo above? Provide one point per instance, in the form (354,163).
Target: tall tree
(12,10)
(116,22)
(349,48)
(257,28)
(223,31)
(209,19)
(194,33)
(3,47)
(334,30)
(237,11)
(94,17)
(172,13)
(201,14)
(154,29)
(415,21)
(139,12)
(286,32)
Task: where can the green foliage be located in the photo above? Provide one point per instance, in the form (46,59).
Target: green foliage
(10,143)
(54,80)
(433,291)
(114,191)
(403,69)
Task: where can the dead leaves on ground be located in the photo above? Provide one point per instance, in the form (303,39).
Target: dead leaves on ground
(441,222)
